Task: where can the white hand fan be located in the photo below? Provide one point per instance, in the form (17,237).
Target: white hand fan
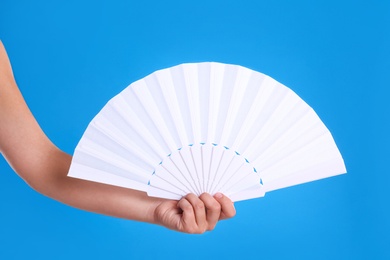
(206,127)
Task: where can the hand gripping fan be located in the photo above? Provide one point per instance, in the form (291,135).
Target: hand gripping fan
(206,127)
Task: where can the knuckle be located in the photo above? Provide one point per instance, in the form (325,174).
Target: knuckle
(204,195)
(225,199)
(215,206)
(199,205)
(186,206)
(190,196)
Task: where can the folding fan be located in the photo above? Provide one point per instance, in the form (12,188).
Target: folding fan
(206,127)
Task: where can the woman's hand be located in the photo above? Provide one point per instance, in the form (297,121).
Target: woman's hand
(193,214)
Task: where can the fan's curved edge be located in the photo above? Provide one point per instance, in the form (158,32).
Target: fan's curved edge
(326,169)
(197,63)
(337,168)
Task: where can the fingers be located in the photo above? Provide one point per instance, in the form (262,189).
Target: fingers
(227,206)
(194,215)
(202,213)
(199,211)
(188,222)
(213,210)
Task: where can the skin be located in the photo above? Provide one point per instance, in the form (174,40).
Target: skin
(45,167)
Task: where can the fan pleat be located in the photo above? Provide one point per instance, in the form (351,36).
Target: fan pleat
(178,80)
(204,98)
(245,135)
(242,77)
(302,158)
(145,97)
(216,85)
(251,88)
(164,117)
(94,160)
(136,123)
(165,81)
(322,170)
(117,140)
(83,171)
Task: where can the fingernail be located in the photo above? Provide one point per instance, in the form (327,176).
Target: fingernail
(218,195)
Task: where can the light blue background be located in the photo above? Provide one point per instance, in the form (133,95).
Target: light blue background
(70,57)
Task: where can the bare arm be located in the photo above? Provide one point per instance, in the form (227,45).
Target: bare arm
(44,167)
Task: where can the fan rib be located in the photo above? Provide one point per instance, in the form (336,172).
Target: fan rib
(243,183)
(211,162)
(196,170)
(184,176)
(221,185)
(218,179)
(162,180)
(176,178)
(163,193)
(197,189)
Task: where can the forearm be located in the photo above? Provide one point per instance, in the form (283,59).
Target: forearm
(107,200)
(44,167)
(47,174)
(97,197)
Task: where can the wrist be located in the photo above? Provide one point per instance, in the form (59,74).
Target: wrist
(152,216)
